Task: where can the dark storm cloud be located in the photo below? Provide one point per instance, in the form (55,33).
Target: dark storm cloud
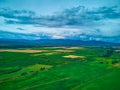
(77,16)
(106,12)
(8,13)
(16,16)
(20,28)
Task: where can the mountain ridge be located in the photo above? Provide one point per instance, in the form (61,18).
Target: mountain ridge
(54,42)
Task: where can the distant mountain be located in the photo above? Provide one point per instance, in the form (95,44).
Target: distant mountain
(46,37)
(53,42)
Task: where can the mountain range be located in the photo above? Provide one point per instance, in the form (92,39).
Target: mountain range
(52,42)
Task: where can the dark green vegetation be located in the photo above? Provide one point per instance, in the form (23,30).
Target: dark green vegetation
(96,68)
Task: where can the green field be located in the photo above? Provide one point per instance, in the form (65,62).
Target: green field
(60,68)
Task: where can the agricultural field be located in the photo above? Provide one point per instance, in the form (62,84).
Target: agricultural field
(60,68)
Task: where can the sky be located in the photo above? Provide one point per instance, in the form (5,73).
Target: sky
(60,19)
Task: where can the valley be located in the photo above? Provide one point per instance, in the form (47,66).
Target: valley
(60,68)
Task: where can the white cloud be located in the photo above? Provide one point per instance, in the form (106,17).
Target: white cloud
(58,37)
(109,27)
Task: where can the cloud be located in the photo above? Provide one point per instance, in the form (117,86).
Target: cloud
(100,23)
(14,35)
(20,28)
(16,16)
(58,37)
(76,16)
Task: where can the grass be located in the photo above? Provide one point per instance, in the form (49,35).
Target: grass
(110,81)
(43,71)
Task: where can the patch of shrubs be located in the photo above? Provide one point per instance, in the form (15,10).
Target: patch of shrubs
(108,53)
(42,68)
(12,71)
(24,73)
(115,61)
